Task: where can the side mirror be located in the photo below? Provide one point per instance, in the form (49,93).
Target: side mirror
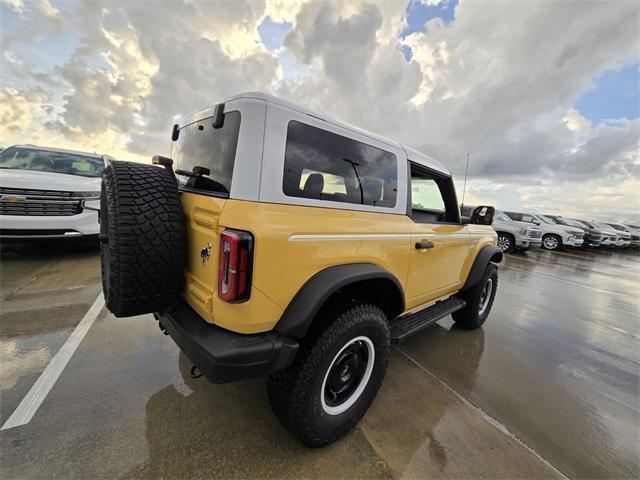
(536,222)
(482,215)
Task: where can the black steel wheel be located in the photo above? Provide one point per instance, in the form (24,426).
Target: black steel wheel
(335,377)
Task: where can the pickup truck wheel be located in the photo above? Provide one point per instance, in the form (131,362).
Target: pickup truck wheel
(479,300)
(141,238)
(335,377)
(551,242)
(505,242)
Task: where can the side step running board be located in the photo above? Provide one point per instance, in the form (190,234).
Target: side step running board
(407,325)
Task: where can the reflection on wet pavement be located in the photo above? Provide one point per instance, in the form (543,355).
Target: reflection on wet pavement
(549,386)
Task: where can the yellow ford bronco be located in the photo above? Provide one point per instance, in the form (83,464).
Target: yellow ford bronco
(276,241)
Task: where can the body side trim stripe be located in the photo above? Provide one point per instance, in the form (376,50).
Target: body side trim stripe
(377,236)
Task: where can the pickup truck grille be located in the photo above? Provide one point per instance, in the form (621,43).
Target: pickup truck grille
(28,202)
(579,236)
(534,233)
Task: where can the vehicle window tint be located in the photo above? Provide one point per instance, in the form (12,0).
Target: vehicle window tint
(199,144)
(326,166)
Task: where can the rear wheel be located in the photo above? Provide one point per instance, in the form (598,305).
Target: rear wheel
(335,377)
(551,242)
(479,300)
(141,238)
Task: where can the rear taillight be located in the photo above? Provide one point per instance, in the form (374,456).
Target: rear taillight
(234,266)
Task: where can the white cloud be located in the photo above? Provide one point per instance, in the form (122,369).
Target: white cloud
(500,82)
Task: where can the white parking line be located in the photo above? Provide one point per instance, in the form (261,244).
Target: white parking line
(39,391)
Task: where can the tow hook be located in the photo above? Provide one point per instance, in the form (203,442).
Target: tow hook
(195,372)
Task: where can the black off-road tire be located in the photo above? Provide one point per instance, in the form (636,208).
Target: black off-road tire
(476,311)
(295,393)
(141,238)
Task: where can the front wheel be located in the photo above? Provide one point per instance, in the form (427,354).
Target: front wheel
(551,242)
(335,377)
(479,300)
(505,242)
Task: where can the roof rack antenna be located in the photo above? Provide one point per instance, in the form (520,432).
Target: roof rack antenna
(466,171)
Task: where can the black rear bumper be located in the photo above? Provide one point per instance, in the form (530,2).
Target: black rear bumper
(225,356)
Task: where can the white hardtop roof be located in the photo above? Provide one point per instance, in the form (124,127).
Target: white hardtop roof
(413,155)
(57,150)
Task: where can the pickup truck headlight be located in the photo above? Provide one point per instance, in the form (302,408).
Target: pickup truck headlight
(87,195)
(522,230)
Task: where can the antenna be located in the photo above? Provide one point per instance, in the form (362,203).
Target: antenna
(466,171)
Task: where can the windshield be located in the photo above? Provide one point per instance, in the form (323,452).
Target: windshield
(544,219)
(618,227)
(501,217)
(602,226)
(201,145)
(582,224)
(564,221)
(17,158)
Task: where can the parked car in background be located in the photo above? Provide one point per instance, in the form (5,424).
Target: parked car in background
(616,240)
(515,235)
(624,232)
(635,236)
(554,235)
(45,192)
(592,238)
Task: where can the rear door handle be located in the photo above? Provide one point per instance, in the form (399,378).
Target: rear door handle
(424,244)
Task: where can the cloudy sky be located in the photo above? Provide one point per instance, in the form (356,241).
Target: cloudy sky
(543,94)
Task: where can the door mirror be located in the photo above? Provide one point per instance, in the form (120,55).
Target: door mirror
(482,215)
(536,222)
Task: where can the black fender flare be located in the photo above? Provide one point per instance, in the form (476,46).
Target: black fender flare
(318,289)
(488,253)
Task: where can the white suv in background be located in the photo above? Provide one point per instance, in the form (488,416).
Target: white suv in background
(45,192)
(513,234)
(554,235)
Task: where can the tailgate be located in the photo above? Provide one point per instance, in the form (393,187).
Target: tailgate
(202,214)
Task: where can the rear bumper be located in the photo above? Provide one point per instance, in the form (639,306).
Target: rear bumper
(224,356)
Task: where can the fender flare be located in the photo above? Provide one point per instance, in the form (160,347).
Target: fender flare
(487,254)
(318,289)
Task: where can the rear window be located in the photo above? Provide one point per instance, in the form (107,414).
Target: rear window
(201,145)
(326,166)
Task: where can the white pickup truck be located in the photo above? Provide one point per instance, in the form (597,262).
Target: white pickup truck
(515,235)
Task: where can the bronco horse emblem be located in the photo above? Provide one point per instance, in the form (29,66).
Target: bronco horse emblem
(205,253)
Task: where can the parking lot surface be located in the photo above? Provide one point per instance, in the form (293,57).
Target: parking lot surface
(548,388)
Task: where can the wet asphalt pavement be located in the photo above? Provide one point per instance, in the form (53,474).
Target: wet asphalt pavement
(549,387)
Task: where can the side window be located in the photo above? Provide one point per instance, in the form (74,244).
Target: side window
(425,195)
(326,166)
(433,199)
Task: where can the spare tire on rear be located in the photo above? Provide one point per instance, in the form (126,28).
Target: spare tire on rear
(141,238)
